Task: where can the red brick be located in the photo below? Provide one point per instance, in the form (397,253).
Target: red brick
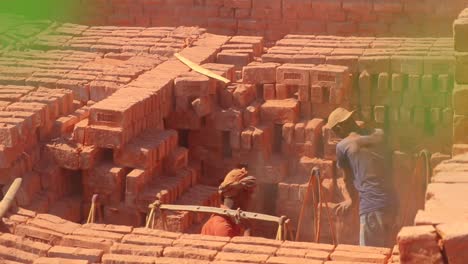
(237,59)
(180,261)
(146,240)
(45,260)
(238,3)
(98,234)
(13,254)
(255,258)
(38,233)
(460,29)
(280,111)
(460,95)
(244,95)
(106,180)
(326,5)
(204,244)
(419,244)
(259,73)
(9,135)
(282,91)
(86,242)
(65,154)
(249,249)
(309,246)
(454,241)
(139,250)
(111,228)
(24,244)
(353,248)
(126,259)
(90,255)
(388,7)
(189,253)
(358,257)
(460,126)
(292,75)
(269,91)
(106,137)
(290,260)
(193,84)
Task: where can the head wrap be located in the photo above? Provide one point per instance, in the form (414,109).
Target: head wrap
(235,181)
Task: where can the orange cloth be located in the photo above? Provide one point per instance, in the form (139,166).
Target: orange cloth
(219,225)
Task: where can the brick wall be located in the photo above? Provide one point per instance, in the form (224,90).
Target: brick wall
(275,18)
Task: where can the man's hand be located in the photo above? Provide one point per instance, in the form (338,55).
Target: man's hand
(343,207)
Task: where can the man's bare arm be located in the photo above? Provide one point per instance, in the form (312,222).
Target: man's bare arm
(344,183)
(347,191)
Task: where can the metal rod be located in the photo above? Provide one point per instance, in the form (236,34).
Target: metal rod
(220,211)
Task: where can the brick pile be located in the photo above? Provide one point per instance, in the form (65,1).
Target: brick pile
(42,238)
(67,147)
(460,120)
(16,30)
(397,82)
(440,230)
(275,18)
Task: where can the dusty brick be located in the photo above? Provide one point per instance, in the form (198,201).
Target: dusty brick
(358,257)
(91,255)
(280,111)
(259,73)
(146,240)
(419,244)
(290,260)
(189,253)
(204,244)
(139,250)
(98,234)
(454,240)
(24,244)
(38,233)
(126,259)
(249,249)
(45,260)
(86,242)
(255,258)
(16,255)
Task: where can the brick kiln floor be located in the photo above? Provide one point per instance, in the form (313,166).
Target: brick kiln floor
(110,111)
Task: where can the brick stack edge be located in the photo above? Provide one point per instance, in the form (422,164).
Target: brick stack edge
(29,237)
(275,18)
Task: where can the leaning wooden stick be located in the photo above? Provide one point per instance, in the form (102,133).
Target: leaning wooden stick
(200,69)
(9,196)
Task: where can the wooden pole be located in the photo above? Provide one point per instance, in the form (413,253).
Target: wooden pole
(9,196)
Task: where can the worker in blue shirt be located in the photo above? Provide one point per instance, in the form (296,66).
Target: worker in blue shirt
(364,163)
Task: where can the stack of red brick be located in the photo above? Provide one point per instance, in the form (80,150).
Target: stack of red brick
(441,231)
(41,238)
(396,82)
(460,93)
(275,18)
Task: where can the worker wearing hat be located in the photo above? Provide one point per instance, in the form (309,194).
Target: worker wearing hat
(236,192)
(363,160)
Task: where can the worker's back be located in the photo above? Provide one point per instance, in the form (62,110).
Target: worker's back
(220,226)
(366,157)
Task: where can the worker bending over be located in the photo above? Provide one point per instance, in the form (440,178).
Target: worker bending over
(364,162)
(236,192)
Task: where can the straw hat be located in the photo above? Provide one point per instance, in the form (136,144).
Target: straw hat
(337,116)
